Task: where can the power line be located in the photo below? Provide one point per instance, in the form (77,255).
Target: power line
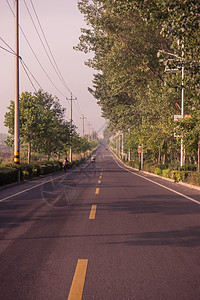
(49,48)
(28,75)
(31,73)
(25,66)
(22,63)
(35,54)
(10,8)
(7,45)
(7,50)
(43,43)
(26,69)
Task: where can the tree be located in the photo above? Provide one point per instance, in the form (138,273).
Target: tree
(41,122)
(130,84)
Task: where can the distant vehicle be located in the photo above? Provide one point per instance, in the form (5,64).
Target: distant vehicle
(92,159)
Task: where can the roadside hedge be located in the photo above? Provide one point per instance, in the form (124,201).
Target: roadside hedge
(10,174)
(187,173)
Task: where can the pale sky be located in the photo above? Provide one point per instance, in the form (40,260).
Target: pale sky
(61,22)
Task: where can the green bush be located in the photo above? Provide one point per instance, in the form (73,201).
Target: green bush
(193,178)
(150,167)
(187,167)
(25,174)
(158,171)
(166,173)
(175,175)
(133,164)
(8,175)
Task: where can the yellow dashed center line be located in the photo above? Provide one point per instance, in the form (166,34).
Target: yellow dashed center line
(97,191)
(99,181)
(77,286)
(93,212)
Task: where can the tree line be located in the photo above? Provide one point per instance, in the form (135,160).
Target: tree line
(42,127)
(140,49)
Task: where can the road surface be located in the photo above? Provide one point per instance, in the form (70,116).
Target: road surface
(102,231)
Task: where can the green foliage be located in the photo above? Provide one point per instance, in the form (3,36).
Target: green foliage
(8,175)
(132,42)
(158,171)
(166,173)
(43,128)
(28,171)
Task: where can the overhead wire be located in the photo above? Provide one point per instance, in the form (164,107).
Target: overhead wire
(64,82)
(31,74)
(7,45)
(25,67)
(7,50)
(56,69)
(43,43)
(35,54)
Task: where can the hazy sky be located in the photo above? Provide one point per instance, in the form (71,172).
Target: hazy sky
(61,22)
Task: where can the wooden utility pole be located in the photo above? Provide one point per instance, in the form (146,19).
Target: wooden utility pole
(88,131)
(71,120)
(16,117)
(83,132)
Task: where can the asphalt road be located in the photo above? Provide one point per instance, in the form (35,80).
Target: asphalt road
(101,231)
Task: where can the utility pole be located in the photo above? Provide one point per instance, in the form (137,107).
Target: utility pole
(70,150)
(122,146)
(182,87)
(83,118)
(88,131)
(182,99)
(92,133)
(119,146)
(129,154)
(16,117)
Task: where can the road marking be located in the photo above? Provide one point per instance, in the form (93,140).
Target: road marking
(76,290)
(43,182)
(99,181)
(100,177)
(93,212)
(97,191)
(165,187)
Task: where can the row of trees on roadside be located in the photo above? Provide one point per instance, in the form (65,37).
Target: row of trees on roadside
(43,128)
(134,42)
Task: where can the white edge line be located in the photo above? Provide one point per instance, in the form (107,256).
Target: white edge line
(35,186)
(165,187)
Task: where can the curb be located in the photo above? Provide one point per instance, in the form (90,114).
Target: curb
(158,176)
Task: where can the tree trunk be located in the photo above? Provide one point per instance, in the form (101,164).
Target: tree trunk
(164,156)
(58,156)
(159,155)
(29,152)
